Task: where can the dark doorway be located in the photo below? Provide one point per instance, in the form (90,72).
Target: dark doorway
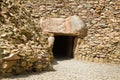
(63,47)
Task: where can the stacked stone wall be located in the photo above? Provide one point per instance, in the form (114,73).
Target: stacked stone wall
(102,18)
(102,44)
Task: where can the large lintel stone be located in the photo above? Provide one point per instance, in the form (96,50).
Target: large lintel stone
(72,25)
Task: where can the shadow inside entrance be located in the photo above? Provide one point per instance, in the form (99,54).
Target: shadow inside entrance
(63,47)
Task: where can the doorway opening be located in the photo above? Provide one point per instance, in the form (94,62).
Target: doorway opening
(63,47)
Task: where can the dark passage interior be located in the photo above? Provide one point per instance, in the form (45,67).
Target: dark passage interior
(63,47)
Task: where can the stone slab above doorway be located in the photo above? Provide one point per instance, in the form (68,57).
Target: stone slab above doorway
(72,26)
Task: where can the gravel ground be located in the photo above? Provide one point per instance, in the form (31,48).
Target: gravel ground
(71,69)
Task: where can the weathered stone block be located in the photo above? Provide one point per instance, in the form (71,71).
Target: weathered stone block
(72,25)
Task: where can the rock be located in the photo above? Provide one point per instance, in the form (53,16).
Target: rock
(1,61)
(50,68)
(32,59)
(96,60)
(23,55)
(80,57)
(3,35)
(8,64)
(83,57)
(39,66)
(91,59)
(51,40)
(29,64)
(101,60)
(12,57)
(23,64)
(48,59)
(102,56)
(87,58)
(100,47)
(9,70)
(72,25)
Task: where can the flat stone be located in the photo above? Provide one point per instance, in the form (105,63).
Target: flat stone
(12,57)
(32,59)
(100,47)
(72,25)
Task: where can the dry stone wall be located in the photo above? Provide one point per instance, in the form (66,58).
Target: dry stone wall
(103,41)
(102,17)
(23,46)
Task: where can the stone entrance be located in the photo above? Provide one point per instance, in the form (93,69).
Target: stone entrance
(64,30)
(63,47)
